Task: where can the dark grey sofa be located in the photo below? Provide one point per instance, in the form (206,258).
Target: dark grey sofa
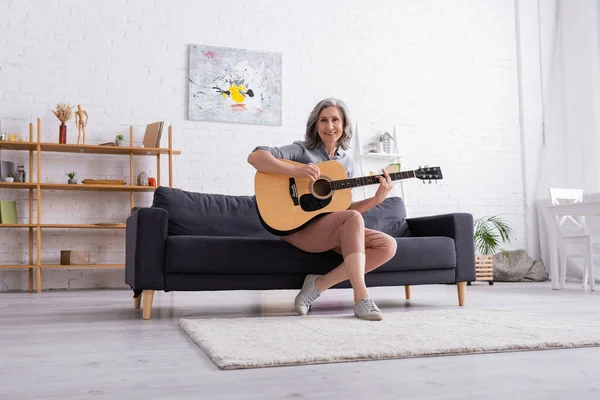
(196,241)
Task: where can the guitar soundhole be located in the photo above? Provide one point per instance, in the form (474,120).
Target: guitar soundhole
(322,188)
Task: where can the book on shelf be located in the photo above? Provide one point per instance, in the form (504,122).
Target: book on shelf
(153,134)
(8,211)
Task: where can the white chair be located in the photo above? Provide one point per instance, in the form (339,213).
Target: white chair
(574,230)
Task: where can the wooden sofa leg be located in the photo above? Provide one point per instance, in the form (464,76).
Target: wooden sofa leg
(137,301)
(147,296)
(462,291)
(407,292)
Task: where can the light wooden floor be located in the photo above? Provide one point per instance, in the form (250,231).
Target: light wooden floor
(80,344)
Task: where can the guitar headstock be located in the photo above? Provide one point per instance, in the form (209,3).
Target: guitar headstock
(429,173)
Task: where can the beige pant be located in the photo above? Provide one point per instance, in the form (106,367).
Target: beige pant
(344,232)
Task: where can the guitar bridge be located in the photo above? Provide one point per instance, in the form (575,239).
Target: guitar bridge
(294,192)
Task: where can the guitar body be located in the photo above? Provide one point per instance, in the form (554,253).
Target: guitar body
(286,204)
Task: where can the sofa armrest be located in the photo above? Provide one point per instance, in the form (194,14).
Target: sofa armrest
(458,226)
(145,242)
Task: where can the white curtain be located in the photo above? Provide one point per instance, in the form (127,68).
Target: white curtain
(569,150)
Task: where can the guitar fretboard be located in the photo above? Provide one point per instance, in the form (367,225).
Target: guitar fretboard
(368,180)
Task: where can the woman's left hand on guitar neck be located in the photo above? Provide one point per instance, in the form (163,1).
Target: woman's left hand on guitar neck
(385,185)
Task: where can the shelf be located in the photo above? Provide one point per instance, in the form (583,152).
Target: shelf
(86,148)
(36,248)
(4,144)
(18,225)
(98,188)
(86,226)
(26,266)
(79,186)
(67,226)
(147,151)
(18,185)
(96,149)
(382,155)
(83,266)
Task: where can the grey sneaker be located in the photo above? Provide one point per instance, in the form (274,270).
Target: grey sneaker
(307,295)
(367,309)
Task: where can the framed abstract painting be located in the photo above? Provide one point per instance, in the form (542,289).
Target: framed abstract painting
(234,85)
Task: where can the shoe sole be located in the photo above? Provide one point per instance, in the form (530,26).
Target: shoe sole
(369,317)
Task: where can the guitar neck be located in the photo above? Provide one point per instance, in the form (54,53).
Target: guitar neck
(369,180)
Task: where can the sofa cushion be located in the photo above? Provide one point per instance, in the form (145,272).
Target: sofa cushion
(241,255)
(238,255)
(422,253)
(205,214)
(388,217)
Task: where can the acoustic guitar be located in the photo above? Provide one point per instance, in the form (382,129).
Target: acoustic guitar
(286,204)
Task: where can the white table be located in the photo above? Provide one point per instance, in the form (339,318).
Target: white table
(588,208)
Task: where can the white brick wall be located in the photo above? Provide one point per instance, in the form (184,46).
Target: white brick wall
(444,72)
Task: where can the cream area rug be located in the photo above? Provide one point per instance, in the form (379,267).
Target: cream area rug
(295,340)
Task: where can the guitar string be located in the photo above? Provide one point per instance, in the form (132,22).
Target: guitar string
(366,180)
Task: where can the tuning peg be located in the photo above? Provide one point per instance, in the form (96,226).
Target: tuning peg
(430,181)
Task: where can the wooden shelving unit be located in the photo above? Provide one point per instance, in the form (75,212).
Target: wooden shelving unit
(35,225)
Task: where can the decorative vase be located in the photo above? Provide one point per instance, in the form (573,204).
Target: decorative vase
(62,137)
(73,181)
(9,179)
(120,142)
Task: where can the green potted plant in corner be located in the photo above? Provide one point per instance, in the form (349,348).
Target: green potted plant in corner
(72,180)
(120,140)
(490,233)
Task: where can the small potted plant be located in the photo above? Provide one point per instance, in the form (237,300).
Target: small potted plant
(490,232)
(120,140)
(72,179)
(10,178)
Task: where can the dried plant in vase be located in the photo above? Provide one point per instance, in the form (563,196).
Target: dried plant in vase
(63,112)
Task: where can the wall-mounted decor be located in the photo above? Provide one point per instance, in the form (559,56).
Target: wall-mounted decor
(234,85)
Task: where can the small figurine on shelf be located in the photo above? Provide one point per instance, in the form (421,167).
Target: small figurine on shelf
(9,177)
(142,179)
(387,142)
(120,140)
(63,112)
(81,123)
(72,179)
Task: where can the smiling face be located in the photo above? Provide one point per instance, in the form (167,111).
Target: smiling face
(330,126)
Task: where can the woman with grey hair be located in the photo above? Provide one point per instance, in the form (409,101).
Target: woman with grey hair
(328,135)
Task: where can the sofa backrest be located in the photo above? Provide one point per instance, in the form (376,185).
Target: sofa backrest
(204,214)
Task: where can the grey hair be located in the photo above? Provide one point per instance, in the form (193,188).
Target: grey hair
(312,139)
